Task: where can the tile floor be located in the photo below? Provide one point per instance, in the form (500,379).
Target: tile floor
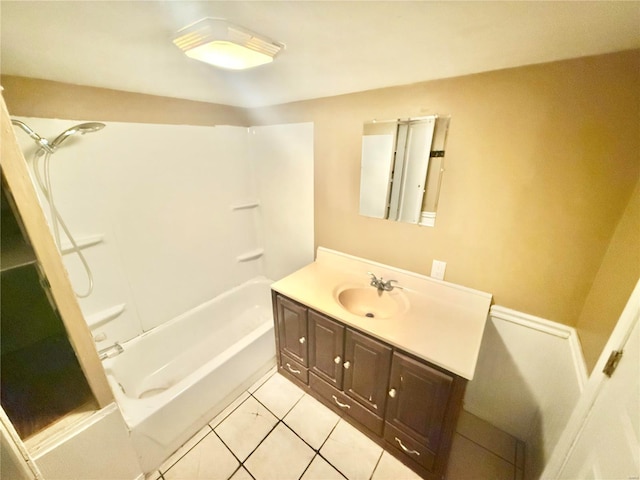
(274,431)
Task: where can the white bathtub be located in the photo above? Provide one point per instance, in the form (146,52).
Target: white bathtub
(170,381)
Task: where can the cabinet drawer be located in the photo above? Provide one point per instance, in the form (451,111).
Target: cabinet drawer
(293,368)
(348,405)
(409,447)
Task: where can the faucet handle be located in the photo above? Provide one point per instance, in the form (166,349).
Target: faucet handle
(387,285)
(373,277)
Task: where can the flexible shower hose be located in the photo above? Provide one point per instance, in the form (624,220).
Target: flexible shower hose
(56,218)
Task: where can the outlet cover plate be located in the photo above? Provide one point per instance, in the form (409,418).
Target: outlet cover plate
(437,269)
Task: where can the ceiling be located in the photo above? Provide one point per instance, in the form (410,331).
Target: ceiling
(332,47)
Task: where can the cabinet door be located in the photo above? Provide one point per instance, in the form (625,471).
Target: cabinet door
(292,329)
(418,399)
(366,370)
(326,339)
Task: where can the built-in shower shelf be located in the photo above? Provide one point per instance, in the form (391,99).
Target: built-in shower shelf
(98,319)
(246,205)
(82,242)
(250,255)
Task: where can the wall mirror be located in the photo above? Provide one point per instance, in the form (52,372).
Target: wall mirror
(401,168)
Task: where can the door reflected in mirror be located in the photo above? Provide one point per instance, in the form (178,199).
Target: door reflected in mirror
(401,168)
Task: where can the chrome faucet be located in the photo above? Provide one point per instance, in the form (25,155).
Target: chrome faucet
(110,351)
(380,284)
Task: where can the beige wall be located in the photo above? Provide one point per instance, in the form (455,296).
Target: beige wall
(541,163)
(618,274)
(30,97)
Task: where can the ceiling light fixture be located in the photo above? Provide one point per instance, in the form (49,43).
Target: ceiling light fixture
(219,43)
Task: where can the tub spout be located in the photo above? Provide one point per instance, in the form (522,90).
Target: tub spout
(111,351)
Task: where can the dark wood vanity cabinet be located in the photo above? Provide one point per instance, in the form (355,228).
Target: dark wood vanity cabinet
(405,404)
(420,399)
(366,374)
(326,349)
(292,332)
(349,370)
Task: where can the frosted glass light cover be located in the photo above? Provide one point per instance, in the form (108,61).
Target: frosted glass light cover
(228,55)
(222,44)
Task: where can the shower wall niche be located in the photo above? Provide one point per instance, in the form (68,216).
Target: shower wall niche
(41,379)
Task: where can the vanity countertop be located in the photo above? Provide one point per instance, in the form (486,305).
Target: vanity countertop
(443,325)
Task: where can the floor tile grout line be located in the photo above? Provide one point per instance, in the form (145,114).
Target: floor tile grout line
(229,448)
(228,414)
(272,413)
(334,467)
(325,440)
(188,451)
(238,469)
(487,449)
(307,467)
(259,386)
(325,458)
(212,430)
(377,463)
(279,420)
(259,443)
(298,435)
(270,432)
(316,451)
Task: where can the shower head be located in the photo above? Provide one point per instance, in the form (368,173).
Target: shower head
(81,129)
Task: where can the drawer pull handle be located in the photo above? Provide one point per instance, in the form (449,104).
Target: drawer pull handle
(337,360)
(341,405)
(392,393)
(347,365)
(302,339)
(292,370)
(410,452)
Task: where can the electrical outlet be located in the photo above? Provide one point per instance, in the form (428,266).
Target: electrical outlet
(437,269)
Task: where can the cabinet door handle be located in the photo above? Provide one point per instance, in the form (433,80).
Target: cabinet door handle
(410,452)
(292,370)
(302,339)
(392,393)
(346,365)
(341,405)
(337,360)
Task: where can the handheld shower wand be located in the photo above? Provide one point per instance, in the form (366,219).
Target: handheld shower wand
(47,149)
(81,129)
(51,147)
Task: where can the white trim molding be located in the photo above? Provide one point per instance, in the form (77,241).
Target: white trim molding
(529,376)
(427,219)
(551,328)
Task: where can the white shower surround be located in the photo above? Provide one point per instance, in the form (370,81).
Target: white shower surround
(162,197)
(172,248)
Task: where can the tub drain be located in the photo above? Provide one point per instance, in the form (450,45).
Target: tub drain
(369,314)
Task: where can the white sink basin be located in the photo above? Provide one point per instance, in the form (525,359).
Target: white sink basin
(371,302)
